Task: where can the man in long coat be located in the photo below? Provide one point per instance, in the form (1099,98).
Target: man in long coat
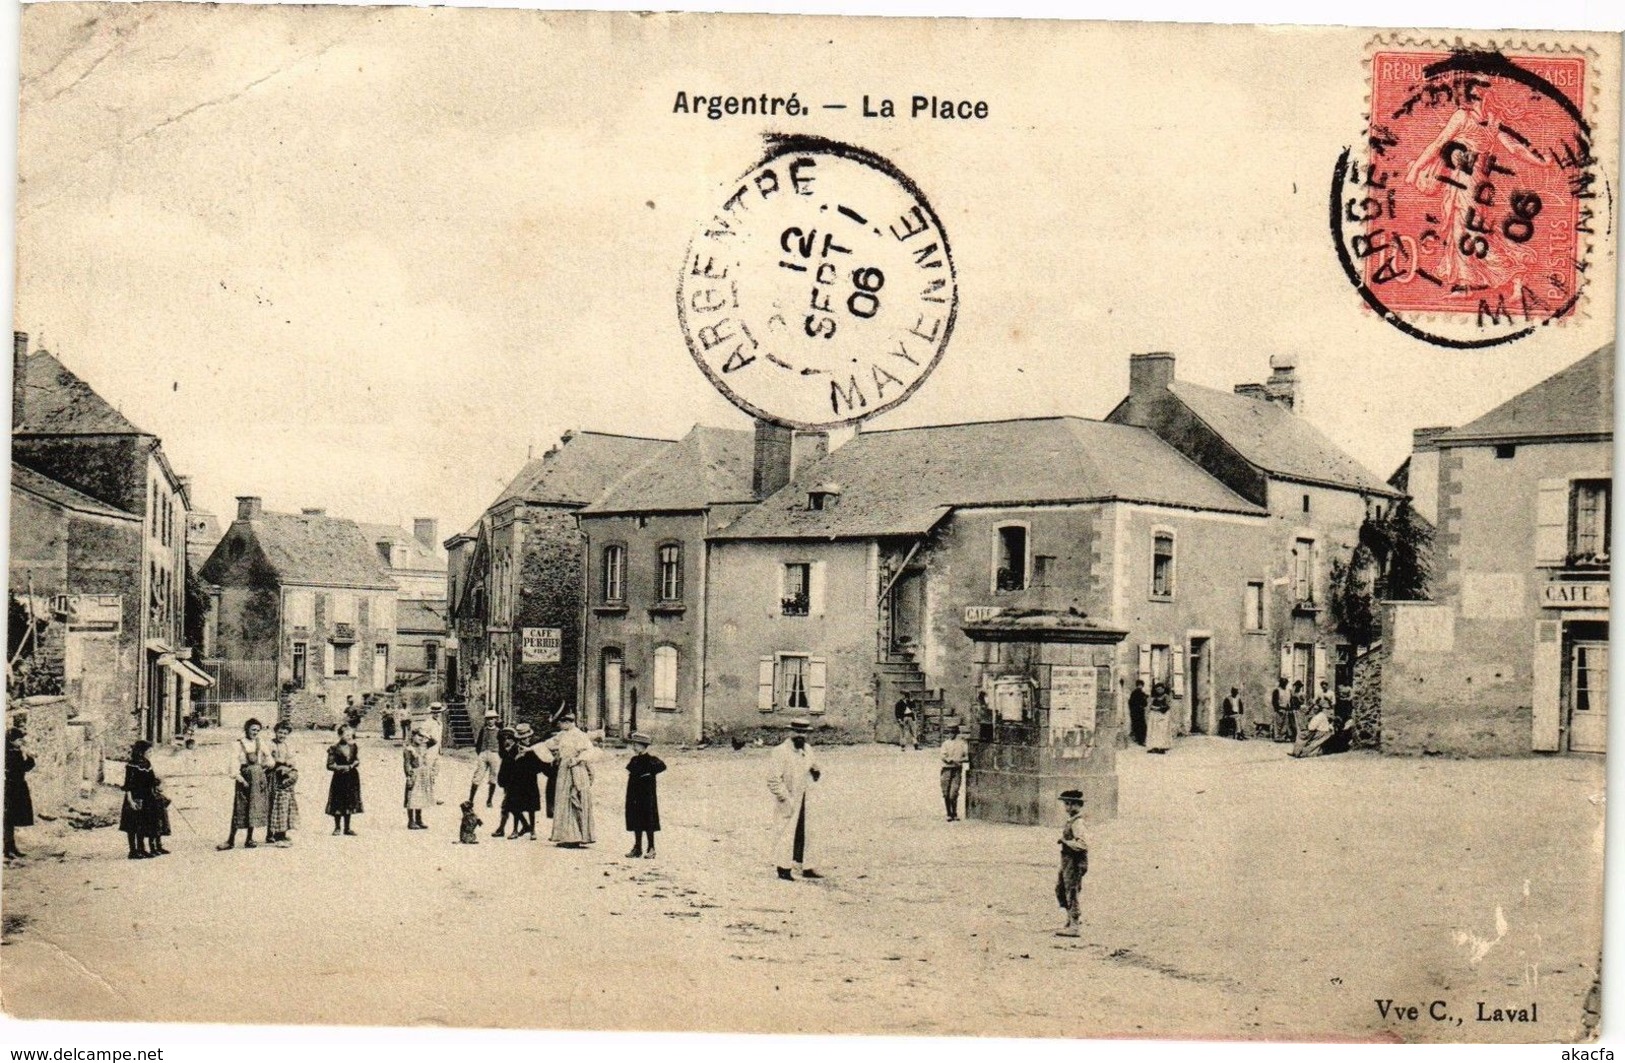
(790,774)
(573,752)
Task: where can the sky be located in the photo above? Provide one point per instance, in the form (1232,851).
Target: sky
(370,259)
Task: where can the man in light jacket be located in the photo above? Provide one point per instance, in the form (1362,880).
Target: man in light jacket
(791,773)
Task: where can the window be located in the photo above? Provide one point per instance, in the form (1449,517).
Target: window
(1253,607)
(431,656)
(1589,538)
(380,666)
(793,682)
(341,658)
(671,573)
(1303,570)
(1306,503)
(665,692)
(797,589)
(1010,571)
(301,653)
(1043,570)
(1506,450)
(613,582)
(1162,565)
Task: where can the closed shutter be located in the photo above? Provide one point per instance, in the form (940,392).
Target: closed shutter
(1176,670)
(1145,664)
(784,591)
(1547,732)
(326,650)
(764,684)
(817,671)
(1286,660)
(1320,672)
(1552,522)
(815,588)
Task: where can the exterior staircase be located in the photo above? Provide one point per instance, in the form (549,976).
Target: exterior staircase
(459,726)
(896,675)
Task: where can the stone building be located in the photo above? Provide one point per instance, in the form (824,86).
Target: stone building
(305,609)
(1511,656)
(81,473)
(646,601)
(515,580)
(418,567)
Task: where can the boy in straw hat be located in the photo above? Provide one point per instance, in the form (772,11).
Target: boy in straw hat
(488,758)
(1074,862)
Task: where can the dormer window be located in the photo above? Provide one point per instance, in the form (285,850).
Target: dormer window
(824,496)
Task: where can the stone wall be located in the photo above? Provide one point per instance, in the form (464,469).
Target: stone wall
(67,751)
(549,595)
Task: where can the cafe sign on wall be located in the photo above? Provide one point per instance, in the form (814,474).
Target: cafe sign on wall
(1574,595)
(540,645)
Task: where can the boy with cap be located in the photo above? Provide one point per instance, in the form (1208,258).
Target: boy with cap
(955,754)
(1074,862)
(487,759)
(642,798)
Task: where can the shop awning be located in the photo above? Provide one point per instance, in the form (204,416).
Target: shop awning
(188,671)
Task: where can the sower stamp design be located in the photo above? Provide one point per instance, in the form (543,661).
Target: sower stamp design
(822,291)
(1467,222)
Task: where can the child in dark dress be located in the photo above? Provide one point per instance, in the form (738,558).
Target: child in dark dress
(142,819)
(642,800)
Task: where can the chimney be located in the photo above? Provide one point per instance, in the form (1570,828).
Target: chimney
(805,449)
(385,554)
(19,379)
(1427,438)
(313,511)
(1282,386)
(770,465)
(1253,391)
(248,507)
(426,530)
(1148,378)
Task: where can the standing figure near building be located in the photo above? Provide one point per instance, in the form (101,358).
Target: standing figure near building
(488,759)
(420,762)
(1137,702)
(1299,705)
(1159,722)
(19,810)
(1074,862)
(1281,705)
(572,753)
(790,776)
(955,755)
(138,817)
(1233,716)
(251,801)
(908,723)
(344,791)
(642,796)
(284,780)
(521,795)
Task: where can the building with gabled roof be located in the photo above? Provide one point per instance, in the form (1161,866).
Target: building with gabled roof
(78,463)
(304,607)
(519,571)
(1511,654)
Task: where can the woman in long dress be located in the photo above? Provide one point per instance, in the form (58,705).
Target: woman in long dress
(283,780)
(1159,724)
(344,791)
(573,752)
(420,762)
(251,802)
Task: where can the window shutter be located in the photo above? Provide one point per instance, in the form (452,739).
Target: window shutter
(1546,736)
(1552,522)
(764,684)
(1320,672)
(1145,664)
(815,588)
(1176,669)
(784,589)
(1286,660)
(816,676)
(327,658)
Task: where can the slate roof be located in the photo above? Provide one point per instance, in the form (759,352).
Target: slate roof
(1277,440)
(418,556)
(905,480)
(421,614)
(580,469)
(59,403)
(1577,401)
(60,494)
(318,551)
(708,465)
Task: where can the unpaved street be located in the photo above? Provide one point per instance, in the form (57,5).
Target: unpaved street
(1239,893)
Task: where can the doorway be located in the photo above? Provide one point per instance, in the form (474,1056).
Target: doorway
(1201,692)
(610,690)
(908,612)
(1586,679)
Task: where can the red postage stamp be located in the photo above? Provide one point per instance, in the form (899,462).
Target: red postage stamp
(1475,195)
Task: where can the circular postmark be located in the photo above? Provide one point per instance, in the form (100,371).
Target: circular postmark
(822,290)
(1466,219)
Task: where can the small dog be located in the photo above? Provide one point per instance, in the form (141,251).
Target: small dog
(469,832)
